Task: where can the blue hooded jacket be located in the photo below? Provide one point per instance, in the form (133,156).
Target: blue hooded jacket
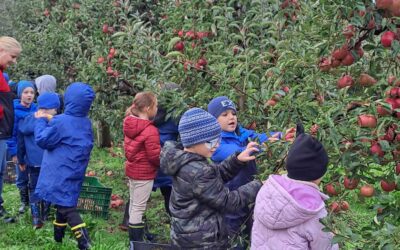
(28,151)
(232,142)
(20,112)
(68,141)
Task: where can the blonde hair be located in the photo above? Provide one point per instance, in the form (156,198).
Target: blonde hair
(9,43)
(140,102)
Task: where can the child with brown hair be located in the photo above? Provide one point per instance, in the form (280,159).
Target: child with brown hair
(142,152)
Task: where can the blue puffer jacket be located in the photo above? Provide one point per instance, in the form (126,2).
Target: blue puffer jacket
(168,132)
(20,112)
(68,141)
(28,151)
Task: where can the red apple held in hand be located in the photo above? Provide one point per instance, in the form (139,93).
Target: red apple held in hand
(345,81)
(367,191)
(332,188)
(387,39)
(350,183)
(367,121)
(388,186)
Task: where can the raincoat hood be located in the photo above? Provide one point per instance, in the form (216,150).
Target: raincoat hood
(78,98)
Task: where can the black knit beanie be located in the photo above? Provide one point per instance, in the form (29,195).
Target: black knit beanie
(307,159)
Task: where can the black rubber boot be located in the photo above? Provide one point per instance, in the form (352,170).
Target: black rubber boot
(35,211)
(81,236)
(59,231)
(24,194)
(136,233)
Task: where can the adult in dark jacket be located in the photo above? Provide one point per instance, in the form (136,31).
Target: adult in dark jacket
(30,154)
(199,198)
(68,141)
(10,49)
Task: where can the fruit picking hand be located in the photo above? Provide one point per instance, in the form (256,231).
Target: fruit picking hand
(246,155)
(274,137)
(22,167)
(290,134)
(42,114)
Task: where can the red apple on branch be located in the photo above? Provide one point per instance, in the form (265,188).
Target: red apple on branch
(367,191)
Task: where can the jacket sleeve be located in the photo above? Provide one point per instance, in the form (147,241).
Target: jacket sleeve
(47,135)
(318,239)
(263,137)
(210,190)
(230,167)
(1,112)
(21,151)
(224,151)
(12,142)
(152,146)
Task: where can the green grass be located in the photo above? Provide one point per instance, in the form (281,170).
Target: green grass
(104,234)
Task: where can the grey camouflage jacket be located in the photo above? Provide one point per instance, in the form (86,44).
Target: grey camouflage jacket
(199,198)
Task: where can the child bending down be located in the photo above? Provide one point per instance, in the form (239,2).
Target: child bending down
(288,207)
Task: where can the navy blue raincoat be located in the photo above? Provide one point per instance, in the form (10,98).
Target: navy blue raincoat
(67,140)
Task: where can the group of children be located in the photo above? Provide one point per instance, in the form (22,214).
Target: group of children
(51,151)
(205,163)
(211,201)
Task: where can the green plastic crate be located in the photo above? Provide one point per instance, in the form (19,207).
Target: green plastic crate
(94,197)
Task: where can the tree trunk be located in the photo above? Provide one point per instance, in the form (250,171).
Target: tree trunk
(103,134)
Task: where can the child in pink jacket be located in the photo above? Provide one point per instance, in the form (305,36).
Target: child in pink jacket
(288,207)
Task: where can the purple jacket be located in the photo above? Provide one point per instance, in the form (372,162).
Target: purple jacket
(286,216)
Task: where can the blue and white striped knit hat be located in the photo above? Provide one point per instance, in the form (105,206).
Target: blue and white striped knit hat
(198,126)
